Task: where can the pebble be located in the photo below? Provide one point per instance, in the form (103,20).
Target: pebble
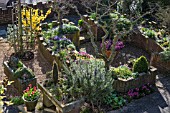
(1,38)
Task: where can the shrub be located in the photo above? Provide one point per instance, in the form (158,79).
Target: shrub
(80,22)
(149,33)
(122,72)
(17,100)
(140,65)
(87,75)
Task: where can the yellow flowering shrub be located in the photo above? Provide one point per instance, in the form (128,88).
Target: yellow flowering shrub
(33,17)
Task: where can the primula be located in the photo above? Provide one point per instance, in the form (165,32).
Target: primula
(109,43)
(142,91)
(31,94)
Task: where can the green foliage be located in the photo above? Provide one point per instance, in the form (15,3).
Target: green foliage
(80,22)
(69,29)
(66,29)
(149,33)
(140,65)
(24,73)
(84,76)
(123,72)
(115,101)
(93,16)
(123,24)
(130,7)
(165,55)
(17,100)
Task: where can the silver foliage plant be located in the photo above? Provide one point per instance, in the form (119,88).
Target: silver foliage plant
(89,79)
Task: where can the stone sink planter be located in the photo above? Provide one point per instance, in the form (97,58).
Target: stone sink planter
(147,44)
(74,37)
(19,84)
(156,61)
(47,53)
(49,100)
(124,85)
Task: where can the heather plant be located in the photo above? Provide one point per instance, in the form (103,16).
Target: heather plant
(122,72)
(140,92)
(140,65)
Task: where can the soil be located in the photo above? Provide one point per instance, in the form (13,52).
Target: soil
(26,56)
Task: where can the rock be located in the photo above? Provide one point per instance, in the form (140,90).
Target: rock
(128,55)
(123,54)
(48,110)
(1,38)
(39,106)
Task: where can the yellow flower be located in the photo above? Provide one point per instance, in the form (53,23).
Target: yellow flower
(37,17)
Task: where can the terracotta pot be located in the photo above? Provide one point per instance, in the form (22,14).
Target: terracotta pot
(30,104)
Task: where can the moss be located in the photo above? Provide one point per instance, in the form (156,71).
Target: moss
(24,73)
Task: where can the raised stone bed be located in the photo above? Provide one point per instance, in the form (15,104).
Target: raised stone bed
(19,84)
(123,85)
(75,37)
(148,44)
(47,53)
(49,100)
(96,30)
(156,61)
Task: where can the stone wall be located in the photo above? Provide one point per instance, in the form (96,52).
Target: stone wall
(144,43)
(6,13)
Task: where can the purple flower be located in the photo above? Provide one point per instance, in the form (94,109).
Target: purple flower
(137,89)
(84,54)
(119,45)
(65,39)
(107,44)
(57,38)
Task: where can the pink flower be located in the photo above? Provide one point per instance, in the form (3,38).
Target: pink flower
(35,88)
(27,89)
(30,85)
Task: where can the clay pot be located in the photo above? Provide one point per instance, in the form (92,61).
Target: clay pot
(30,104)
